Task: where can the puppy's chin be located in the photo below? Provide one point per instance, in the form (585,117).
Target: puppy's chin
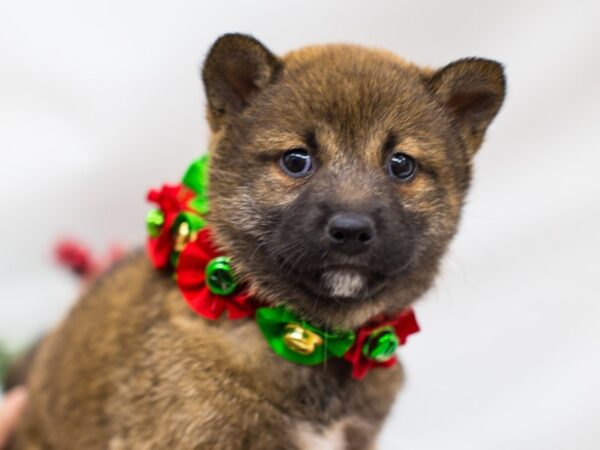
(343,283)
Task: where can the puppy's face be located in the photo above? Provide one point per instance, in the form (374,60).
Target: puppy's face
(338,173)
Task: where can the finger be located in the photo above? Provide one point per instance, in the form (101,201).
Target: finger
(10,413)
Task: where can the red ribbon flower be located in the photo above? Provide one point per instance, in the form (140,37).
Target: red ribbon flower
(404,325)
(171,200)
(191,278)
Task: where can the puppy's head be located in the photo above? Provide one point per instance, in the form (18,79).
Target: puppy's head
(338,172)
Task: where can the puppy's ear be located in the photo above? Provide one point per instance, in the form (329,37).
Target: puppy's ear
(236,68)
(472,90)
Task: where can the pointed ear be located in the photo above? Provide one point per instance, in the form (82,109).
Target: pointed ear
(472,90)
(236,68)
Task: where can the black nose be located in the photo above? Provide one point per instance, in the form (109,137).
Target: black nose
(351,233)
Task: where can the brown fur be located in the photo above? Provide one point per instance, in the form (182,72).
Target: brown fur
(132,367)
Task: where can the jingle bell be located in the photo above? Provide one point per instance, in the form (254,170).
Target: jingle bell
(381,345)
(219,276)
(300,340)
(155,220)
(183,235)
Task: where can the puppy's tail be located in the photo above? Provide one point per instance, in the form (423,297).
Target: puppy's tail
(15,367)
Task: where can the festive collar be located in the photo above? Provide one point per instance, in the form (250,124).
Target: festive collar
(180,240)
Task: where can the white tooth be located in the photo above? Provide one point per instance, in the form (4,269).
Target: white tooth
(343,283)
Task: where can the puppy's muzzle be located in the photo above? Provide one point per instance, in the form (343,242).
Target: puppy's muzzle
(350,233)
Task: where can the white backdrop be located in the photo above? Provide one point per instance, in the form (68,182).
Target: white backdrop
(101,100)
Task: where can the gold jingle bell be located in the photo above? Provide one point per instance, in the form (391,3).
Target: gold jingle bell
(183,235)
(300,340)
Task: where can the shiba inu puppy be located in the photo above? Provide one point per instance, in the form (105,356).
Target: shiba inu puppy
(337,177)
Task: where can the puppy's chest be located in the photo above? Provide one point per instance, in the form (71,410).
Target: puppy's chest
(338,435)
(332,437)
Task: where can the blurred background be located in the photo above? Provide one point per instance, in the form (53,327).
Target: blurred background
(101,100)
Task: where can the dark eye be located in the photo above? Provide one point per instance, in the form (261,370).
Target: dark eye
(296,162)
(402,167)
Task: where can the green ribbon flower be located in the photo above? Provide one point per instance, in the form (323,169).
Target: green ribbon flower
(298,341)
(196,179)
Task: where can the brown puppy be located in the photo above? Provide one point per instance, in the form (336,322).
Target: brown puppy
(337,179)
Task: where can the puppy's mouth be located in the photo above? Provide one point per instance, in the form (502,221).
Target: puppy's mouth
(343,279)
(344,282)
(339,281)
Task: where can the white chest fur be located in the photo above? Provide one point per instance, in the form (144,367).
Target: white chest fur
(331,438)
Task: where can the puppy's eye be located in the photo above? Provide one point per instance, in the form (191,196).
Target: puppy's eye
(402,167)
(296,163)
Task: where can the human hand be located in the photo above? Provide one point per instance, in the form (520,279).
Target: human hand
(11,410)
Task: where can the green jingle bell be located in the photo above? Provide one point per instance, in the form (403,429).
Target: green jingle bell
(381,345)
(219,276)
(155,220)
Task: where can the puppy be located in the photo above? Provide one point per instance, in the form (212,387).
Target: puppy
(337,176)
